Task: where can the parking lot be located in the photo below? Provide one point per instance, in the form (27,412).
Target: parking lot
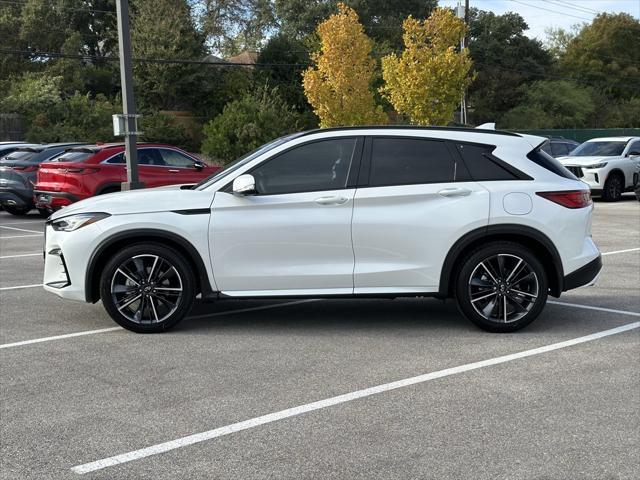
(345,389)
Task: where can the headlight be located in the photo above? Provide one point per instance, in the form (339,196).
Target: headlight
(597,165)
(74,222)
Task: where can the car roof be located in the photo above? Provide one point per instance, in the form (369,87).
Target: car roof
(97,147)
(613,139)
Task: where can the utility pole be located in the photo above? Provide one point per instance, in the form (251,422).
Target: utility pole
(128,103)
(463,13)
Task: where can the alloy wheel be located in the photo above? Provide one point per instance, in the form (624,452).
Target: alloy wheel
(503,288)
(146,289)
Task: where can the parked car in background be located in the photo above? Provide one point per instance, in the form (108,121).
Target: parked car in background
(18,173)
(559,147)
(8,147)
(609,165)
(89,170)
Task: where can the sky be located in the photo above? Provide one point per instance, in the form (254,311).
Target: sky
(540,14)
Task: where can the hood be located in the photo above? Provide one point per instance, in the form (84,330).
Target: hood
(584,161)
(141,201)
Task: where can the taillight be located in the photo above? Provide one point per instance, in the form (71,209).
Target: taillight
(569,198)
(80,170)
(29,168)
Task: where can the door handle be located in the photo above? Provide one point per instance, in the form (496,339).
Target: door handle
(174,171)
(454,192)
(331,200)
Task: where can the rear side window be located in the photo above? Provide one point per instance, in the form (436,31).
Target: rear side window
(119,158)
(72,156)
(482,165)
(150,156)
(543,159)
(407,161)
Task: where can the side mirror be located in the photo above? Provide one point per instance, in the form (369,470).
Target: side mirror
(244,185)
(199,165)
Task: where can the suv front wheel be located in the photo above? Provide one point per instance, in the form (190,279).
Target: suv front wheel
(147,288)
(502,287)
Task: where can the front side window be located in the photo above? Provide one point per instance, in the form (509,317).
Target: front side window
(315,166)
(176,159)
(406,161)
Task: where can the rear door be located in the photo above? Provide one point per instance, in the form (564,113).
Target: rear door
(415,203)
(151,168)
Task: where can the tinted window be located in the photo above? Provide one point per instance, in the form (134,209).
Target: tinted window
(176,159)
(150,156)
(482,165)
(119,158)
(311,167)
(406,161)
(558,149)
(634,147)
(545,160)
(21,155)
(604,149)
(72,156)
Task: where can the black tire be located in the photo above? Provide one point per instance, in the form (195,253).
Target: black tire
(153,311)
(44,213)
(15,210)
(510,268)
(613,188)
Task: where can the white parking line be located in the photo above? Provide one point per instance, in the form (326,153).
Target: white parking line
(621,251)
(59,337)
(39,254)
(20,236)
(102,330)
(22,223)
(18,287)
(600,309)
(329,402)
(20,229)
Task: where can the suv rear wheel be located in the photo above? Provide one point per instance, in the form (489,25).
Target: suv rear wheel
(502,287)
(147,288)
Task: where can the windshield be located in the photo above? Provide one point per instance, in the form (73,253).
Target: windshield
(599,149)
(236,164)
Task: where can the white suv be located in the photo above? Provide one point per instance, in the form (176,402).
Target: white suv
(608,165)
(480,215)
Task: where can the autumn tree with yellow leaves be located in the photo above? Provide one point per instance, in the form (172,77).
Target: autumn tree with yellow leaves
(338,86)
(427,80)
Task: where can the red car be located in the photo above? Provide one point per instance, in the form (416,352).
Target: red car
(84,171)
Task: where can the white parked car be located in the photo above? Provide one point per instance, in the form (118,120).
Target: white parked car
(484,217)
(608,165)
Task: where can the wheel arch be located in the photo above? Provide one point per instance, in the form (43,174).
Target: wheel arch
(108,247)
(108,186)
(617,171)
(529,237)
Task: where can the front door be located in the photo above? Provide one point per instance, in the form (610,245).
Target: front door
(293,237)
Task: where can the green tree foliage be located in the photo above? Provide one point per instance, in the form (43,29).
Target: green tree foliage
(163,128)
(382,19)
(164,29)
(504,59)
(606,54)
(247,123)
(289,58)
(551,104)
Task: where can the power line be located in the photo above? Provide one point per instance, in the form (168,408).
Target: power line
(577,7)
(552,11)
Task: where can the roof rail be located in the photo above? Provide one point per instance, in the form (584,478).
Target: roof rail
(411,127)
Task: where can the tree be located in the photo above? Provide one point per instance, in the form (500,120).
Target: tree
(247,123)
(382,19)
(551,104)
(504,59)
(164,29)
(427,80)
(606,54)
(338,86)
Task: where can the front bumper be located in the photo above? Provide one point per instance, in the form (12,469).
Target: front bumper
(586,275)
